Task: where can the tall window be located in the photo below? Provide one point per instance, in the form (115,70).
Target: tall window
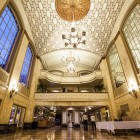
(131,30)
(8,33)
(26,67)
(115,67)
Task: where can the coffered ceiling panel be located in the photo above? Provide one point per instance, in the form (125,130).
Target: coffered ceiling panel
(47,26)
(47,29)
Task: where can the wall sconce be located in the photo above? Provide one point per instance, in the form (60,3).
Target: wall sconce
(132,87)
(13,91)
(133,93)
(132,90)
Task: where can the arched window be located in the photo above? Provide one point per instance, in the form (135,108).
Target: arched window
(8,33)
(115,66)
(26,67)
(131,30)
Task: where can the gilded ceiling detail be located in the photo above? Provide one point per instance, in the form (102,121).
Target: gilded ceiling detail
(47,26)
(70,10)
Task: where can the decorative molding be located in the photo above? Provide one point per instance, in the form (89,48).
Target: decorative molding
(120,90)
(47,26)
(23,90)
(69,79)
(3,77)
(72,10)
(71,97)
(59,60)
(101,103)
(120,20)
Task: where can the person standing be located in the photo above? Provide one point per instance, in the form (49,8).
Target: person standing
(85,121)
(92,117)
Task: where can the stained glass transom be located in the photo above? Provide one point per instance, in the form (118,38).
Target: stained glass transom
(115,67)
(131,31)
(8,32)
(24,75)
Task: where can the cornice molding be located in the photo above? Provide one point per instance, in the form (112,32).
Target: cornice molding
(44,74)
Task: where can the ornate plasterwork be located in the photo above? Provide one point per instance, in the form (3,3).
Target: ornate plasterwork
(67,59)
(47,27)
(70,10)
(71,96)
(96,75)
(4,77)
(72,103)
(59,60)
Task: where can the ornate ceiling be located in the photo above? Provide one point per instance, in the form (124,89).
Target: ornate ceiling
(47,26)
(60,59)
(71,10)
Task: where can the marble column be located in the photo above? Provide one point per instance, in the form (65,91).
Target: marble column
(109,88)
(76,117)
(64,117)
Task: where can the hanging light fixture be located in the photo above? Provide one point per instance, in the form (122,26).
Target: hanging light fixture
(71,68)
(74,38)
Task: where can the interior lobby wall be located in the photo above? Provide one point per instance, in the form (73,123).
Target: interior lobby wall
(28,102)
(20,99)
(131,79)
(2,3)
(108,85)
(34,83)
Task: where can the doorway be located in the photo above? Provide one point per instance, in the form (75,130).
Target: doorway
(17,116)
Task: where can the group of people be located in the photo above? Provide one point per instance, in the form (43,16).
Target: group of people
(85,121)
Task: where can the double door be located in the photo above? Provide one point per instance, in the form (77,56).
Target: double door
(17,115)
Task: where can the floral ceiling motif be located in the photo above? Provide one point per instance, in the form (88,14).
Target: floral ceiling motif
(70,10)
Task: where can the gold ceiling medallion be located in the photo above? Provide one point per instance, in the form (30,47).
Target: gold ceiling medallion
(67,9)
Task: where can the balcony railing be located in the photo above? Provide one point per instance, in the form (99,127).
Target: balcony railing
(71,96)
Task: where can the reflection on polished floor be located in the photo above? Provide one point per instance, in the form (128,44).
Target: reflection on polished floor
(58,133)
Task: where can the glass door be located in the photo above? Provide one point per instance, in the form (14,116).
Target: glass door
(21,120)
(17,115)
(13,114)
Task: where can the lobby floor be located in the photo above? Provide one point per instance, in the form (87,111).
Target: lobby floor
(58,133)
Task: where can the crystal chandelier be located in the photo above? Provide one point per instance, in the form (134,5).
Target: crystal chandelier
(74,38)
(71,68)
